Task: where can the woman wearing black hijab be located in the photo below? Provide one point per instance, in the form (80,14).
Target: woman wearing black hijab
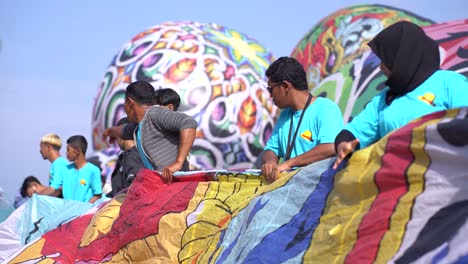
(416,87)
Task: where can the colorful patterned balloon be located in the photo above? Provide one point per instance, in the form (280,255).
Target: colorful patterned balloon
(341,37)
(219,74)
(356,83)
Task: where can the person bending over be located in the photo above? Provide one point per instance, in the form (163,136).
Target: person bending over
(163,137)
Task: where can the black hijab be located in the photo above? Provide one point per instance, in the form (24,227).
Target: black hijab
(409,53)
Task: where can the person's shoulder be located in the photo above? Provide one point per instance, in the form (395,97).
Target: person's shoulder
(325,103)
(156,108)
(285,113)
(131,151)
(447,74)
(62,161)
(93,167)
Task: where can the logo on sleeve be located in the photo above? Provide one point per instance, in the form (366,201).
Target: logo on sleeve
(428,98)
(307,135)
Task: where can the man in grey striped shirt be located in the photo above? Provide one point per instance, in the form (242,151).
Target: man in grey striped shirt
(163,137)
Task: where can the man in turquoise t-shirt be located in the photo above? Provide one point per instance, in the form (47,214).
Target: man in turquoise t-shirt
(82,181)
(50,150)
(307,126)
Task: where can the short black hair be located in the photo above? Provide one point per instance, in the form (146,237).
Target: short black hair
(166,96)
(28,181)
(288,69)
(142,92)
(78,142)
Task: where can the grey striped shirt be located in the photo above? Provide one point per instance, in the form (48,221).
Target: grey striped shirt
(160,131)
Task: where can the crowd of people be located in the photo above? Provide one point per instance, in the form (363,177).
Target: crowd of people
(155,136)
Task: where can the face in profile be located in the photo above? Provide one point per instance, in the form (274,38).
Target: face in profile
(32,189)
(72,153)
(276,93)
(129,105)
(43,149)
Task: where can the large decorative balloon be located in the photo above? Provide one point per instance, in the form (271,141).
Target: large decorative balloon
(341,37)
(356,83)
(219,74)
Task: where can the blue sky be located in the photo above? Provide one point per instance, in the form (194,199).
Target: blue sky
(53,55)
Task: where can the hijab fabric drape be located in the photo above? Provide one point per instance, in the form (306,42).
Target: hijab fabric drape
(409,53)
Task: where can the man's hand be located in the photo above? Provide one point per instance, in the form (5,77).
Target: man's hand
(284,166)
(168,172)
(270,171)
(112,133)
(343,150)
(94,198)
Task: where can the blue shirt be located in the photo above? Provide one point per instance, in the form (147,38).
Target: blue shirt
(321,123)
(56,172)
(83,184)
(441,91)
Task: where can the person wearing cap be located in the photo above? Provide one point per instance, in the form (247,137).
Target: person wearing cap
(128,163)
(163,137)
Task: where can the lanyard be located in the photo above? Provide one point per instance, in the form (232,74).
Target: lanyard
(290,142)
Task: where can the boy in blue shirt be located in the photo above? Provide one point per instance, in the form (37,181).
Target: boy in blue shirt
(50,150)
(82,181)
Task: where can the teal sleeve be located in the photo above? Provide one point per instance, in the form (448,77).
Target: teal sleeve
(365,126)
(330,124)
(96,185)
(457,91)
(56,177)
(273,143)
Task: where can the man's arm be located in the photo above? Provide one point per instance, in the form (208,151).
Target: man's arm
(95,184)
(94,198)
(269,157)
(187,137)
(50,191)
(270,165)
(123,131)
(319,152)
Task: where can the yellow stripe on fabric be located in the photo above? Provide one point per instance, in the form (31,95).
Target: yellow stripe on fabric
(393,238)
(221,202)
(102,221)
(350,199)
(32,253)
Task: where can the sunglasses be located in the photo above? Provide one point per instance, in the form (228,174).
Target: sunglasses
(270,88)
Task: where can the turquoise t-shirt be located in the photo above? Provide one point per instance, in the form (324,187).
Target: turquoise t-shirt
(321,123)
(443,90)
(58,168)
(82,184)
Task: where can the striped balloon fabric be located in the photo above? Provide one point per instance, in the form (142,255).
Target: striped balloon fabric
(404,199)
